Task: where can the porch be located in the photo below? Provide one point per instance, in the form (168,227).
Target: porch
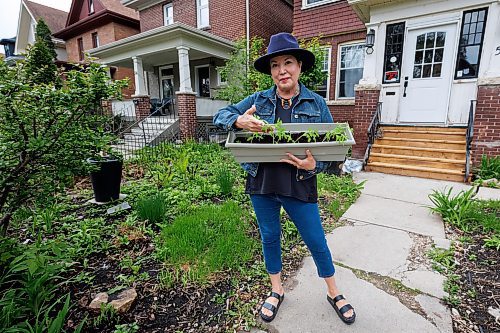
(175,75)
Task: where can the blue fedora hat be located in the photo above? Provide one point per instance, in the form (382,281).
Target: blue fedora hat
(281,44)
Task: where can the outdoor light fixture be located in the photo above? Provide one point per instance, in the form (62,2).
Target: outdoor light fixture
(370,41)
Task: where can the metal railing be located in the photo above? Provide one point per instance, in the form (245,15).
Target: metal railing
(468,138)
(160,125)
(373,131)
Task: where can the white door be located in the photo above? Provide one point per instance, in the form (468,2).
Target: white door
(427,74)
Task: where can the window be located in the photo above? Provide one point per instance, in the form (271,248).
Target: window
(351,59)
(203,81)
(323,88)
(221,79)
(429,53)
(471,43)
(394,38)
(80,49)
(95,40)
(91,7)
(314,3)
(202,11)
(168,14)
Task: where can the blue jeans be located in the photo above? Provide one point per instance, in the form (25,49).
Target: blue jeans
(306,218)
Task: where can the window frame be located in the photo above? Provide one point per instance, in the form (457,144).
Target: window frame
(197,81)
(402,53)
(95,40)
(220,83)
(338,66)
(199,9)
(91,7)
(165,14)
(306,5)
(481,43)
(81,55)
(328,71)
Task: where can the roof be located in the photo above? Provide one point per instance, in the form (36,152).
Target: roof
(117,7)
(54,18)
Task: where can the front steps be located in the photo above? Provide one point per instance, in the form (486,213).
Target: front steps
(426,152)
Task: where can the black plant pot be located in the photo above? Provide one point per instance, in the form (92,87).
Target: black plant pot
(106,180)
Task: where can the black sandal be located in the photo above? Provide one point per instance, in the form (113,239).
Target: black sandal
(342,310)
(270,307)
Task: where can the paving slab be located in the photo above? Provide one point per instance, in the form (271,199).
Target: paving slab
(306,310)
(409,189)
(400,215)
(436,312)
(426,281)
(371,248)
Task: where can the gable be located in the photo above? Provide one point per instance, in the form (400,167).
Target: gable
(80,10)
(54,18)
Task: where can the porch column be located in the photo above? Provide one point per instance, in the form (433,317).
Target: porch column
(140,85)
(186,98)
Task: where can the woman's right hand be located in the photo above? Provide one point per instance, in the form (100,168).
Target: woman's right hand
(248,122)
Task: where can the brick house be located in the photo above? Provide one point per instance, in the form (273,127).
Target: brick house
(93,23)
(29,14)
(431,76)
(343,34)
(181,44)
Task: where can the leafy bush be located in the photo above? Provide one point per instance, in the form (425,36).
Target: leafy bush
(453,209)
(152,208)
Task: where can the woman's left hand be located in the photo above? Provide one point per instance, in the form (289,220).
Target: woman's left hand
(308,163)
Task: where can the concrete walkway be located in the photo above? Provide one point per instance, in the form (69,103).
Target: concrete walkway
(381,264)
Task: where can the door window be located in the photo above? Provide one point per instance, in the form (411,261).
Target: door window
(429,53)
(204,81)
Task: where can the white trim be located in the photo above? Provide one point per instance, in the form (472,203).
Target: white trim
(199,9)
(305,5)
(328,71)
(196,78)
(337,74)
(167,18)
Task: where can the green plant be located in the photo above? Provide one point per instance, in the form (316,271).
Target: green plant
(280,133)
(443,260)
(127,328)
(225,180)
(336,134)
(454,209)
(489,167)
(311,135)
(493,242)
(106,315)
(152,208)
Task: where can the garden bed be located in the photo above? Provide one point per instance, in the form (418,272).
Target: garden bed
(170,189)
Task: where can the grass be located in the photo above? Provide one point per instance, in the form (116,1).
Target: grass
(210,239)
(489,168)
(152,208)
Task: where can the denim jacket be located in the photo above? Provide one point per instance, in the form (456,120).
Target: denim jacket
(310,108)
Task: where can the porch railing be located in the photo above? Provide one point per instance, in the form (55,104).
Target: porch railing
(373,131)
(160,125)
(468,138)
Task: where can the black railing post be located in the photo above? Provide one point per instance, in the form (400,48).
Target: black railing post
(468,139)
(372,131)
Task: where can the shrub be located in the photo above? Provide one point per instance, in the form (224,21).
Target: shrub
(489,168)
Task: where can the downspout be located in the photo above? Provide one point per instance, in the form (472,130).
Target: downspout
(247,18)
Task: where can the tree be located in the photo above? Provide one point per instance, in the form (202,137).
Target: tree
(243,81)
(47,130)
(43,33)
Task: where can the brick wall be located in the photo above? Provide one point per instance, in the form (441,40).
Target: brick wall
(342,113)
(265,21)
(186,104)
(326,20)
(123,73)
(486,138)
(226,19)
(142,107)
(364,109)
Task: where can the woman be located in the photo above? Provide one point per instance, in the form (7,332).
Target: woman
(292,183)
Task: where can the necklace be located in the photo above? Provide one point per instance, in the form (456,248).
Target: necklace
(286,103)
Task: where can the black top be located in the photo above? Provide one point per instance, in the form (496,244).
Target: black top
(281,178)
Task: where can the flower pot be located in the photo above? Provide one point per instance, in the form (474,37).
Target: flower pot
(245,151)
(106,180)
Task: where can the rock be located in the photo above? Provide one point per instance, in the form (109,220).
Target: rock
(101,298)
(455,312)
(124,300)
(494,312)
